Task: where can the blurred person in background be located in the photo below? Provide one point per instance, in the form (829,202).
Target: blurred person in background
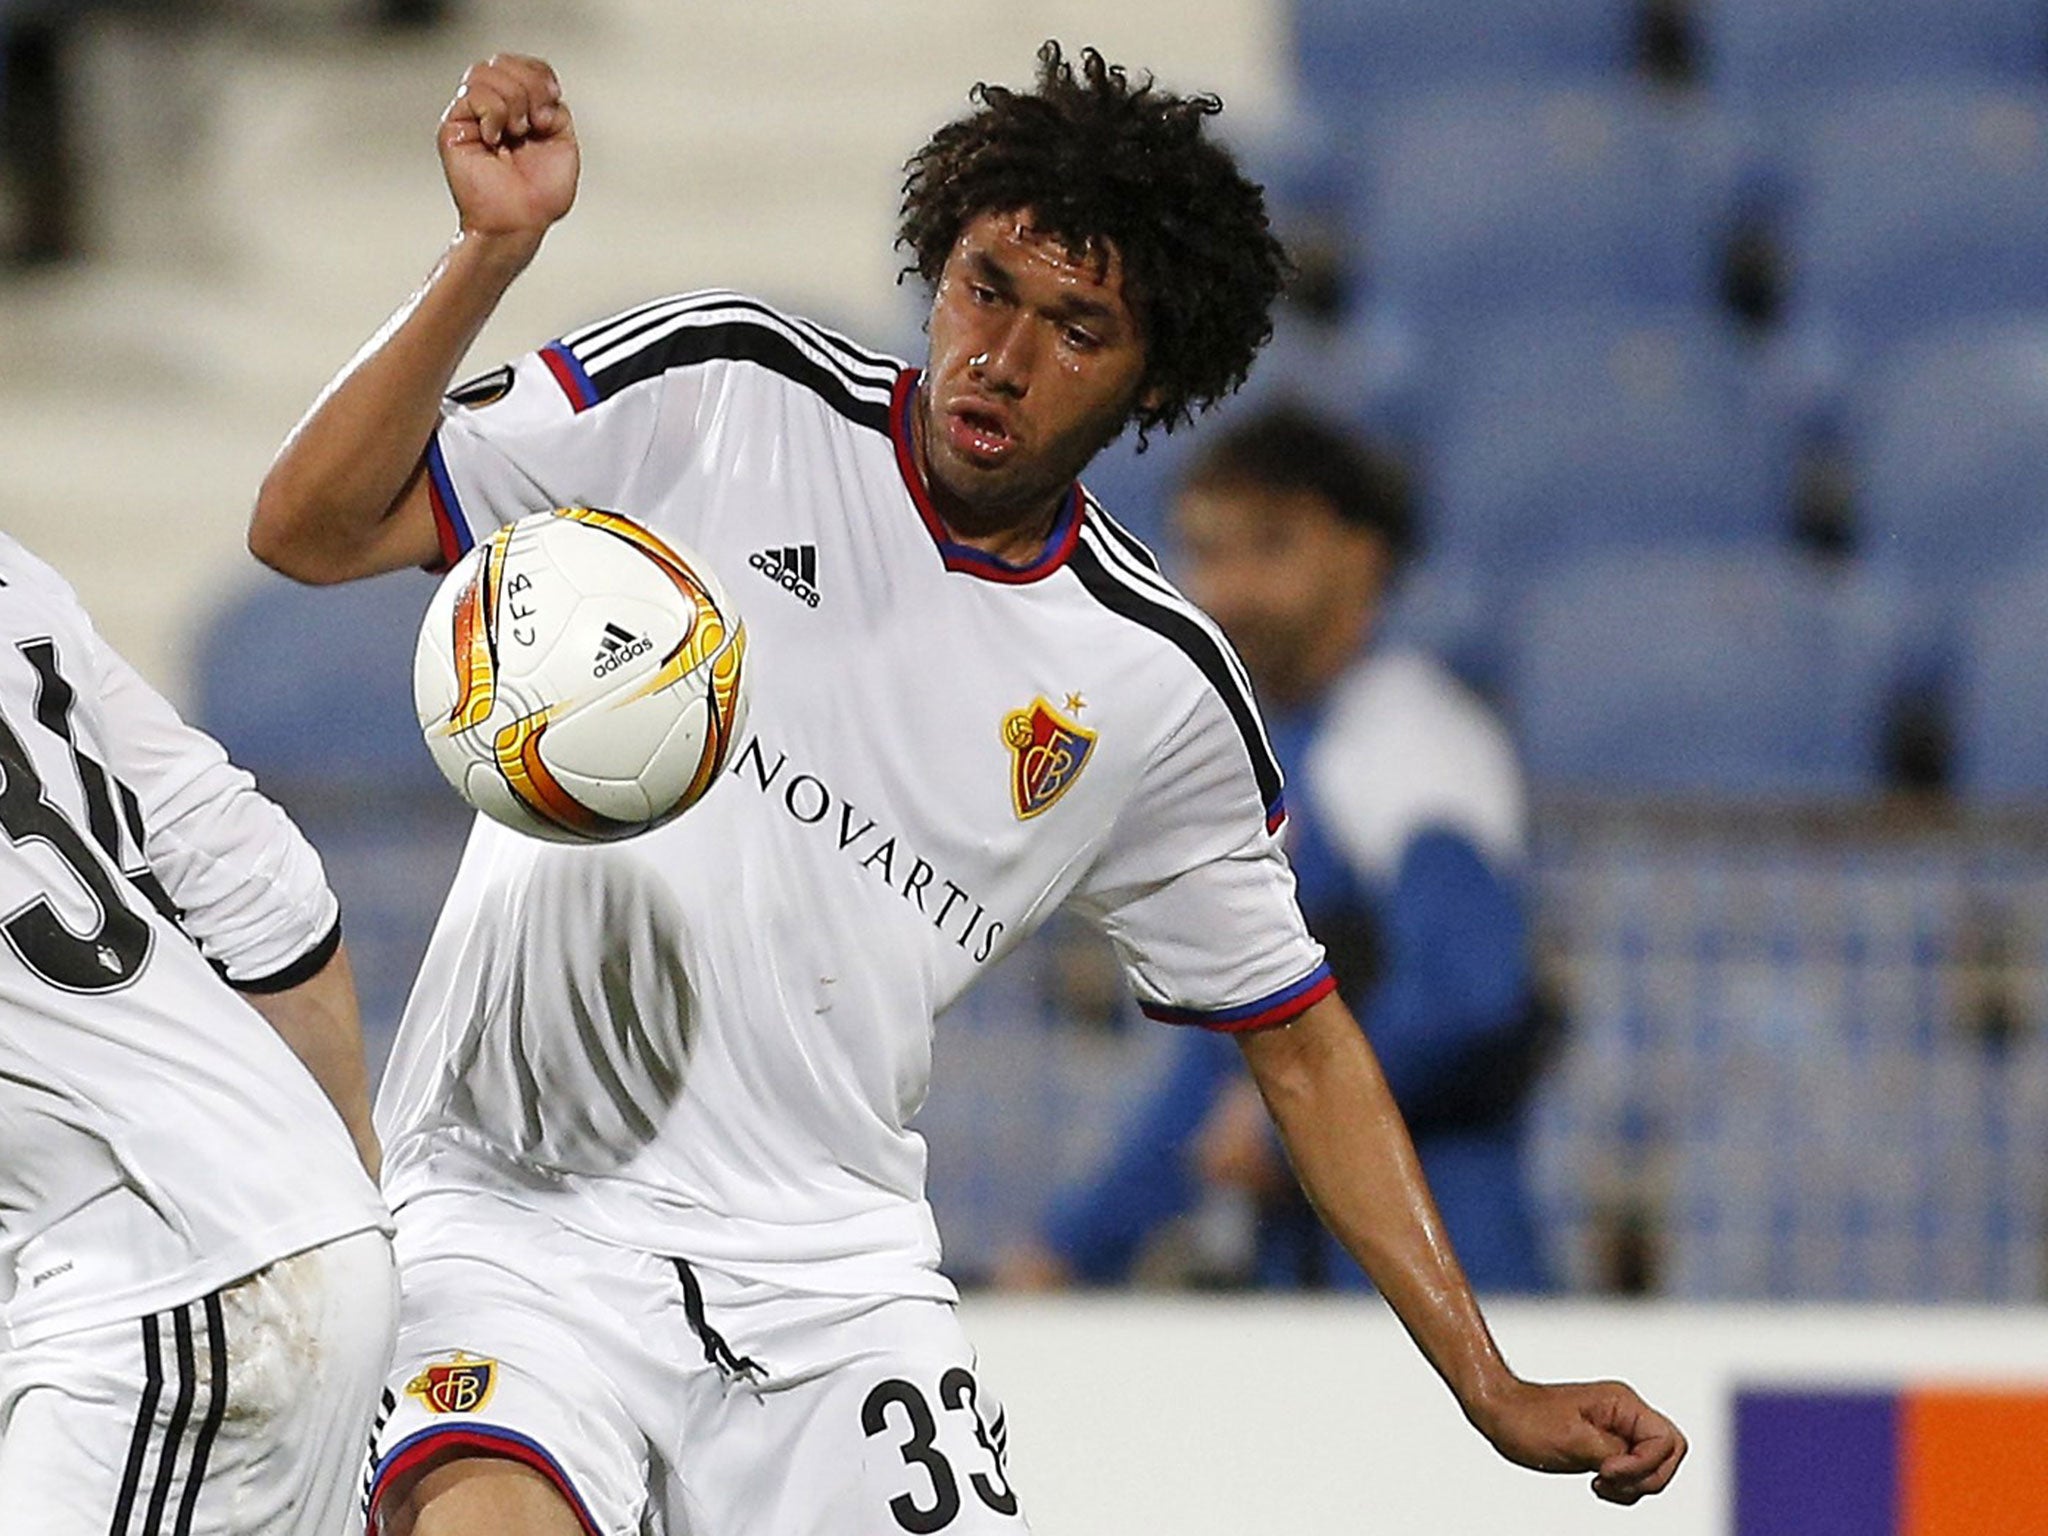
(668,1258)
(1406,828)
(40,215)
(197,1292)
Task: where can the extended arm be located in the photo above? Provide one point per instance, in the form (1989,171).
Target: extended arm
(319,1020)
(1353,1156)
(347,495)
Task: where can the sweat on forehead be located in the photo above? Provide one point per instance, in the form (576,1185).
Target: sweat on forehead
(994,239)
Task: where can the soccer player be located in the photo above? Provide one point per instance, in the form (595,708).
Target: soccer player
(668,1260)
(1406,834)
(197,1293)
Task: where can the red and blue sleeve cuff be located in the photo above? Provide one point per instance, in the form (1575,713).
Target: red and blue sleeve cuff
(450,526)
(1275,1008)
(416,1451)
(569,374)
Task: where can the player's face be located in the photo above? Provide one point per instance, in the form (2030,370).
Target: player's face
(1036,359)
(1295,587)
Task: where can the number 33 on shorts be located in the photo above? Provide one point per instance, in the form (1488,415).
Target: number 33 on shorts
(935,1455)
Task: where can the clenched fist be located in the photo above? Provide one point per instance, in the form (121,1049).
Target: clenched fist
(508,148)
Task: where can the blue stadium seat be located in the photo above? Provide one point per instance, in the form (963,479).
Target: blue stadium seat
(1565,432)
(1481,203)
(314,688)
(1950,446)
(1750,996)
(1914,208)
(1703,674)
(1346,51)
(1776,54)
(2001,696)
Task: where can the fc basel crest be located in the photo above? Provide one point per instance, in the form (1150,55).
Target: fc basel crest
(461,1384)
(1047,753)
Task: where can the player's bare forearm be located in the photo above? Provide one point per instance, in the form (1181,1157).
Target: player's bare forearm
(347,494)
(1357,1164)
(319,1019)
(1352,1153)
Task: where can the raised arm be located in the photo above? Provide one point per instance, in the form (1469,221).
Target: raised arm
(1354,1159)
(347,495)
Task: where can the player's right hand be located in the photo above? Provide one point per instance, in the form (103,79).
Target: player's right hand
(1601,1427)
(508,148)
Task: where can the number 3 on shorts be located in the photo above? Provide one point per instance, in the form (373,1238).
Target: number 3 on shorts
(933,1502)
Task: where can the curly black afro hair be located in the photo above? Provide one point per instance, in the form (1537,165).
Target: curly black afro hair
(1099,160)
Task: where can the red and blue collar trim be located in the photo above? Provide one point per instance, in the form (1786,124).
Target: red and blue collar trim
(1059,544)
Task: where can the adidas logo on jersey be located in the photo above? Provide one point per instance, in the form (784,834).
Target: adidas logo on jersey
(617,647)
(794,568)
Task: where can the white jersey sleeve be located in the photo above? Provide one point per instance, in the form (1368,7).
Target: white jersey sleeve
(1191,886)
(247,887)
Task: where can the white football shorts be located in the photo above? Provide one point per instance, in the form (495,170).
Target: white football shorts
(664,1398)
(246,1410)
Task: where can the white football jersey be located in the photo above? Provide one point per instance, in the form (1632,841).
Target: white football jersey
(157,1138)
(709,1041)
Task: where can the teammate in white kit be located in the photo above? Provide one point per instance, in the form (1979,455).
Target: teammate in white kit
(197,1292)
(668,1261)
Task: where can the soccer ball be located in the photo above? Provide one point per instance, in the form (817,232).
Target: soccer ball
(578,678)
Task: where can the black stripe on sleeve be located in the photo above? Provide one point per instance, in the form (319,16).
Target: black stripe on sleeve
(1121,596)
(856,365)
(855,356)
(579,338)
(1149,581)
(301,970)
(750,342)
(1129,542)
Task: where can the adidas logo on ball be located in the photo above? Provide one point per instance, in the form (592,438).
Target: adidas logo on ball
(520,730)
(616,648)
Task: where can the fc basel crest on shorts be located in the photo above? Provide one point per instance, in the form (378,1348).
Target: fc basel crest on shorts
(1047,753)
(460,1384)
